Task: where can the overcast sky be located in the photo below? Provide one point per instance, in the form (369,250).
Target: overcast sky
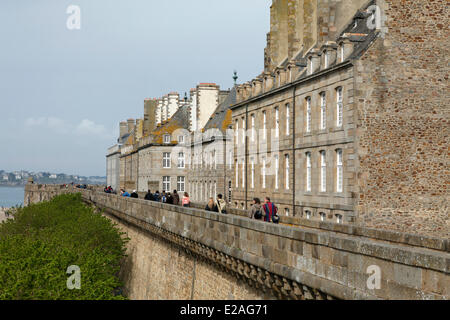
(63,92)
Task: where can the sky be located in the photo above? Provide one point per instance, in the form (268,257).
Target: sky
(64,91)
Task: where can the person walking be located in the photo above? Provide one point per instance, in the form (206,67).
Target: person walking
(134,195)
(176,198)
(169,198)
(270,211)
(149,196)
(256,211)
(221,205)
(186,202)
(163,197)
(211,206)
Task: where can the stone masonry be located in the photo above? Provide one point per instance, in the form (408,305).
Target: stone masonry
(280,261)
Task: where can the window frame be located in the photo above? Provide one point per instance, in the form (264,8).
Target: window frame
(181,181)
(167,160)
(166,183)
(323,111)
(323,171)
(339,107)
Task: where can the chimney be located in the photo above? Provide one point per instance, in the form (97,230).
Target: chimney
(131,125)
(123,129)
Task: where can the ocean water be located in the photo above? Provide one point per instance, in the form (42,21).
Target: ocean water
(9,197)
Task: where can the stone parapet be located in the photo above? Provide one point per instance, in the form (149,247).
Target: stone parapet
(292,262)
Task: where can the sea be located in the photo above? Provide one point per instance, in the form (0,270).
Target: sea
(11,196)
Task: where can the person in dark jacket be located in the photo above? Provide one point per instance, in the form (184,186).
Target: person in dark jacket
(176,198)
(169,198)
(149,196)
(156,196)
(134,194)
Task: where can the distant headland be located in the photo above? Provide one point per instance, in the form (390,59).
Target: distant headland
(20,178)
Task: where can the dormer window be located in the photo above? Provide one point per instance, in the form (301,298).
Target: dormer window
(326,60)
(342,52)
(181,139)
(310,65)
(166,138)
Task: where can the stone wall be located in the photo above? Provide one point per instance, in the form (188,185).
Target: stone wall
(402,101)
(276,260)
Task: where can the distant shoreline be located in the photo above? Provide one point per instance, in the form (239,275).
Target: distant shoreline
(3,186)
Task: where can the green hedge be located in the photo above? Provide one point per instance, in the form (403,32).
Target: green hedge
(43,240)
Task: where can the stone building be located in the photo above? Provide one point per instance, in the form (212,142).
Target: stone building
(348,123)
(156,152)
(350,116)
(209,173)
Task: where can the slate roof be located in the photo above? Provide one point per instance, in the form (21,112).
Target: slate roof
(180,120)
(221,118)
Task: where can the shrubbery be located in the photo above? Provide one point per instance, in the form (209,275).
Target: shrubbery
(43,240)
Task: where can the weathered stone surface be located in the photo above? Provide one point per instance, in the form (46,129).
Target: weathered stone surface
(336,267)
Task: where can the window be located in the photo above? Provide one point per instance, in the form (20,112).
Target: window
(201,191)
(210,189)
(339,171)
(243,174)
(167,138)
(196,190)
(287,171)
(166,184)
(244,128)
(308,114)
(288,118)
(277,167)
(264,173)
(237,173)
(342,53)
(308,172)
(286,212)
(181,162)
(339,107)
(180,184)
(237,132)
(310,68)
(181,139)
(166,160)
(323,111)
(323,216)
(264,125)
(253,127)
(252,181)
(277,122)
(323,172)
(339,219)
(326,59)
(308,214)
